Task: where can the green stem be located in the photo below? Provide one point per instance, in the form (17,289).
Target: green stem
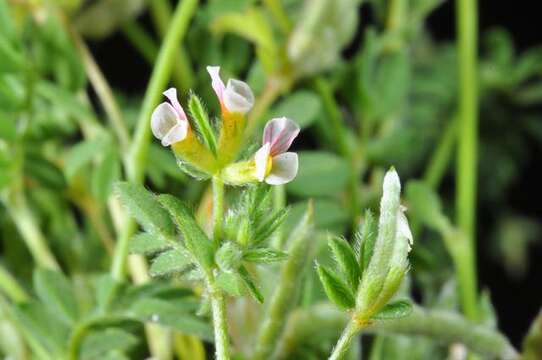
(104,92)
(343,344)
(441,157)
(285,294)
(11,287)
(279,14)
(218,209)
(467,158)
(138,151)
(28,228)
(182,70)
(220,324)
(443,326)
(141,40)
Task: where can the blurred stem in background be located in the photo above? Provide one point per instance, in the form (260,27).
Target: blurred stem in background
(10,286)
(182,71)
(466,176)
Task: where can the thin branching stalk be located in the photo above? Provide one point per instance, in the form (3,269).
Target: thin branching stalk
(141,40)
(467,148)
(441,157)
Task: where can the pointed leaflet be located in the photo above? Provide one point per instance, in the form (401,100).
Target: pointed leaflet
(56,293)
(146,244)
(336,290)
(251,286)
(365,239)
(171,261)
(142,205)
(394,310)
(264,255)
(202,122)
(195,240)
(346,259)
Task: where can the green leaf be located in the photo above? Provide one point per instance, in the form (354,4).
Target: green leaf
(366,238)
(320,174)
(82,154)
(144,207)
(346,259)
(264,255)
(336,290)
(98,344)
(202,122)
(268,227)
(147,244)
(105,175)
(46,333)
(394,310)
(171,261)
(302,106)
(230,283)
(55,291)
(172,314)
(250,285)
(425,205)
(195,240)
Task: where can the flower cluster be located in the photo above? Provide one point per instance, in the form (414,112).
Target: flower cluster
(271,163)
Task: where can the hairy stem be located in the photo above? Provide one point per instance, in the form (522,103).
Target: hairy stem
(343,344)
(444,326)
(220,324)
(467,158)
(218,209)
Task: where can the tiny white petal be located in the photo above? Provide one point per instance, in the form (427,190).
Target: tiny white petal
(176,134)
(216,81)
(280,133)
(284,169)
(163,119)
(403,228)
(260,159)
(171,94)
(238,96)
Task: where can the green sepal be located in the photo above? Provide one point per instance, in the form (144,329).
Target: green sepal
(346,259)
(394,310)
(336,290)
(202,123)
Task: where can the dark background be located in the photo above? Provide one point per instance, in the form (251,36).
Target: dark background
(517,300)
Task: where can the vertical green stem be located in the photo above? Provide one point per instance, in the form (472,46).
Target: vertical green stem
(138,151)
(220,324)
(343,345)
(182,71)
(467,158)
(218,208)
(26,224)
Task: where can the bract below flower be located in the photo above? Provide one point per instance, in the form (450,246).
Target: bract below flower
(168,121)
(235,97)
(273,164)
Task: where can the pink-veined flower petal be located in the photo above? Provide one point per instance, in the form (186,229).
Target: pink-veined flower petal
(163,118)
(216,82)
(171,94)
(176,134)
(238,96)
(280,133)
(284,169)
(260,159)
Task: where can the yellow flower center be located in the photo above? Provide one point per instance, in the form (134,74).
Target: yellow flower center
(268,165)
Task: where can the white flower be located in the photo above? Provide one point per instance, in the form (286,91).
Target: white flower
(236,96)
(274,164)
(168,121)
(403,228)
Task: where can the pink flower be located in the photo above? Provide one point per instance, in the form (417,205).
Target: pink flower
(168,121)
(235,97)
(274,164)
